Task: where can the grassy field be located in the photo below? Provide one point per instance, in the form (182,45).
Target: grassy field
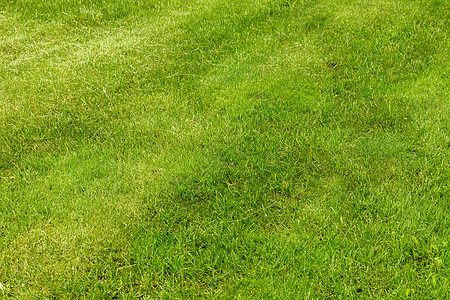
(217,149)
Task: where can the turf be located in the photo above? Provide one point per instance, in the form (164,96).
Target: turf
(224,149)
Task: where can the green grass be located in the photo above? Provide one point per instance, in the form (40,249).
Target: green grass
(224,149)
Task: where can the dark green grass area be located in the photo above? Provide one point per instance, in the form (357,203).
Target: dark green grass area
(224,149)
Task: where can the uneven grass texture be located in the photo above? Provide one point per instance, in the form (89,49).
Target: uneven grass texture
(224,149)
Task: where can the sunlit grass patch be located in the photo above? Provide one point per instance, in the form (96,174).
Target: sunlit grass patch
(213,149)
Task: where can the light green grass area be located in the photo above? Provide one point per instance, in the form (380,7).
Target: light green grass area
(224,149)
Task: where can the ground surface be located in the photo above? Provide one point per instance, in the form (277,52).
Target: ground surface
(216,149)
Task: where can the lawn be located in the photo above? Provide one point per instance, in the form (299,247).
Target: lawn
(175,149)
